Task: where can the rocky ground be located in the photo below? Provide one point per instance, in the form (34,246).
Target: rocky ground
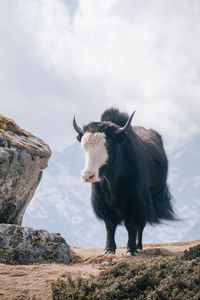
(34,281)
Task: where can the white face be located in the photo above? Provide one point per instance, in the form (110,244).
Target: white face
(96,155)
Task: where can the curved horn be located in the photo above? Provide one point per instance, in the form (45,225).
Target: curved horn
(76,127)
(127,125)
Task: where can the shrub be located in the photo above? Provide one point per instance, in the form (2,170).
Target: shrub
(193,252)
(156,278)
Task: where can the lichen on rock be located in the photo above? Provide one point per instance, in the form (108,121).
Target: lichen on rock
(22,159)
(25,245)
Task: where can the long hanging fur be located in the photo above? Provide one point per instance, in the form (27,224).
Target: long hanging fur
(133,187)
(152,144)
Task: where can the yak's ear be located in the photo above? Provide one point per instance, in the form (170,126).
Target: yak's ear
(79,137)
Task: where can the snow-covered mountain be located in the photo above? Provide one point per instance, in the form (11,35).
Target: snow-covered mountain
(62,201)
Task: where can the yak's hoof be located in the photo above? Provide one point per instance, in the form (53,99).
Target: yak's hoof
(109,251)
(131,253)
(139,247)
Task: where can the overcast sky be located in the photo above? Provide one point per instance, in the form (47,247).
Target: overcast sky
(60,57)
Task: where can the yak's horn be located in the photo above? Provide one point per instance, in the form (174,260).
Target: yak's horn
(127,125)
(76,127)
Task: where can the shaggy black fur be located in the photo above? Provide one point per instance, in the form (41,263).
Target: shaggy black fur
(133,188)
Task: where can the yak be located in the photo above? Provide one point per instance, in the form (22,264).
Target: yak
(127,168)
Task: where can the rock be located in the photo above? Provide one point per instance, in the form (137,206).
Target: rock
(22,157)
(25,245)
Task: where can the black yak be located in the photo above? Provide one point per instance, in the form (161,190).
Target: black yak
(128,168)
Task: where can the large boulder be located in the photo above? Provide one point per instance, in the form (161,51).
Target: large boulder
(25,245)
(22,159)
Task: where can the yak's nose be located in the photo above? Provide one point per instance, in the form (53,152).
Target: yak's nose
(88,176)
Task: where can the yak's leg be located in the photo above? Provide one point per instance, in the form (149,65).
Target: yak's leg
(132,233)
(140,232)
(110,241)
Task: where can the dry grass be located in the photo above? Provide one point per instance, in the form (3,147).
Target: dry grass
(8,124)
(73,256)
(33,282)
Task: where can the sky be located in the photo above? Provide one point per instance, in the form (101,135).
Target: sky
(60,58)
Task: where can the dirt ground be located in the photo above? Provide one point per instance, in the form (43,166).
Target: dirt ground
(22,282)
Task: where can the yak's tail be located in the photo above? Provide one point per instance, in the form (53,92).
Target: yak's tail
(115,116)
(162,202)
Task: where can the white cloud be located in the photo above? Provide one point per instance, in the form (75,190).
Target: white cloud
(196,181)
(141,55)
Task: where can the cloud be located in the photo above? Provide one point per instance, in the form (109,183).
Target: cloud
(196,181)
(141,55)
